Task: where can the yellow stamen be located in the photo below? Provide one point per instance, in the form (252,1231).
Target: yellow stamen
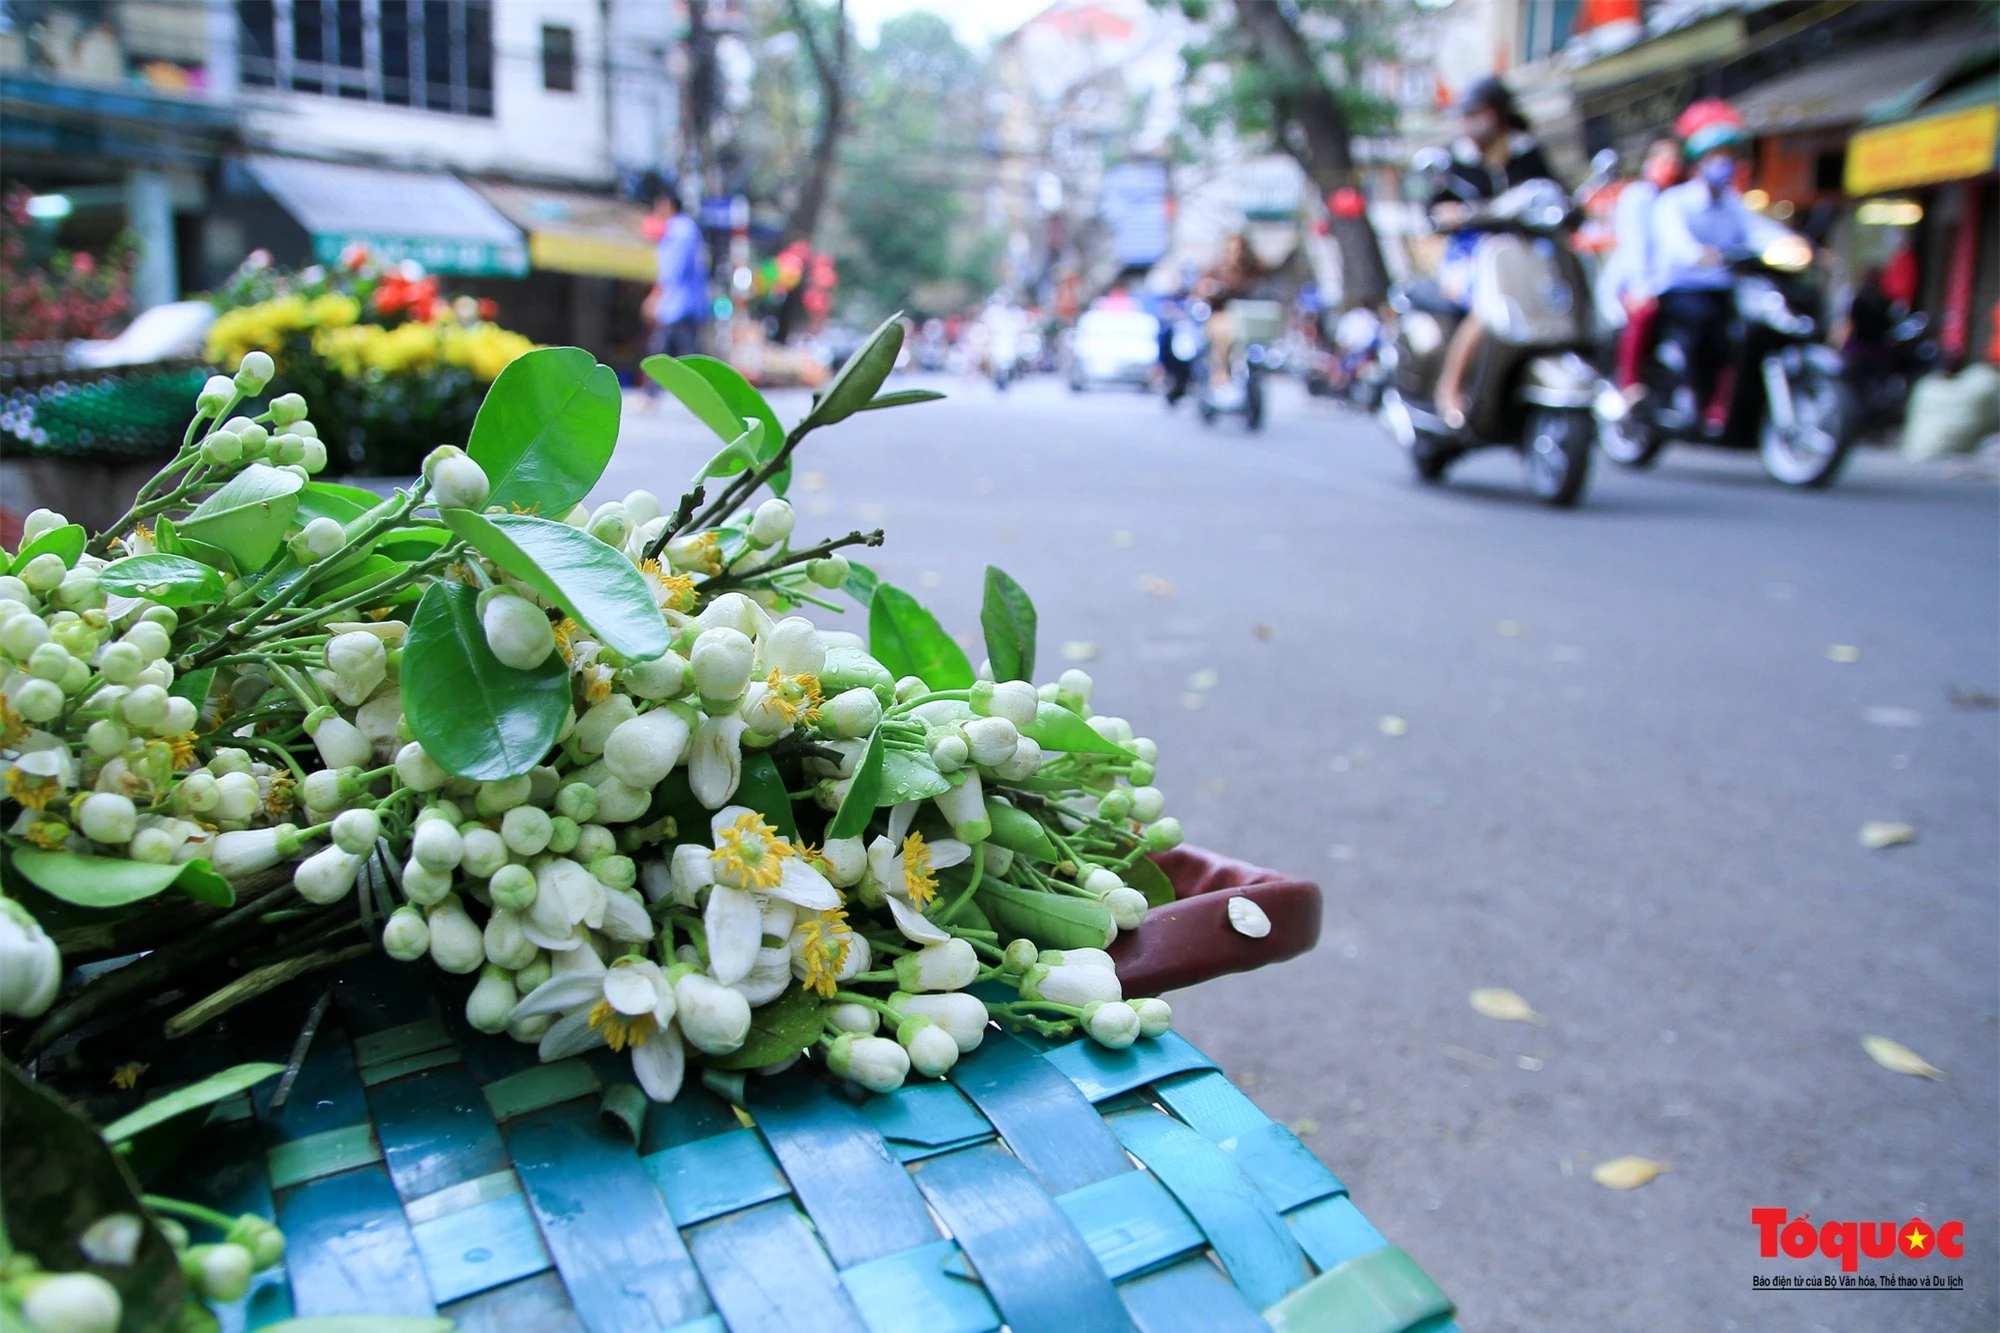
(126,1076)
(30,790)
(13,727)
(824,951)
(563,630)
(279,801)
(708,550)
(918,881)
(675,592)
(183,749)
(795,697)
(621,1030)
(520,508)
(48,834)
(752,851)
(597,688)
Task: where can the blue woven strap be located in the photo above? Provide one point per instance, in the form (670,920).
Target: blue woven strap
(1191,1296)
(767,1273)
(1044,1119)
(348,1248)
(861,1200)
(1036,1268)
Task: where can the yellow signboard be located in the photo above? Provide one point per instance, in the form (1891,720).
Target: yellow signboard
(1949,147)
(593,255)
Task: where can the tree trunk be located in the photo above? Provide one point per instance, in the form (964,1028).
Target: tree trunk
(831,72)
(1313,129)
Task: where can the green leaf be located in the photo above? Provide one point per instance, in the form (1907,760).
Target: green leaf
(762,788)
(908,640)
(901,398)
(861,583)
(596,585)
(785,1026)
(1008,617)
(112,881)
(1146,876)
(329,499)
(909,775)
(476,716)
(170,580)
(1018,831)
(696,393)
(248,516)
(862,794)
(546,429)
(1052,920)
(1056,728)
(61,1177)
(192,685)
(412,544)
(854,387)
(66,541)
(742,398)
(739,455)
(371,570)
(209,1091)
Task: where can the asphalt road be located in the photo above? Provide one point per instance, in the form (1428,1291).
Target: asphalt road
(1629,789)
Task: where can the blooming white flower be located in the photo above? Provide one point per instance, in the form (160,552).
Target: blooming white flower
(750,865)
(629,1005)
(30,963)
(902,863)
(359,662)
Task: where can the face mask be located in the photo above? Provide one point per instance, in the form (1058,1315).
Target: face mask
(1720,173)
(1661,172)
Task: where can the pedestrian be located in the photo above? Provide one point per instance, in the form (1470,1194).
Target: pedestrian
(678,303)
(1698,227)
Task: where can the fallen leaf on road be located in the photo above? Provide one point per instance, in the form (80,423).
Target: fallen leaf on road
(1899,1059)
(1973,698)
(1879,833)
(1505,1005)
(1393,726)
(1627,1173)
(1842,652)
(1193,702)
(1892,715)
(1264,630)
(1509,629)
(1465,1057)
(1155,586)
(1079,650)
(1304,1128)
(1204,679)
(1122,539)
(1531,1063)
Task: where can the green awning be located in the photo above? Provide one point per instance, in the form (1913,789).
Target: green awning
(429,216)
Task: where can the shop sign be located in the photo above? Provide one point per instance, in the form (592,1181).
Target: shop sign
(438,254)
(1949,147)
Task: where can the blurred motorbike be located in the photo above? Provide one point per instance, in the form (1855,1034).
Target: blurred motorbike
(1777,391)
(1529,387)
(1880,378)
(1255,327)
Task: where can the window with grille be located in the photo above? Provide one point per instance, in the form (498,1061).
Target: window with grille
(558,58)
(434,55)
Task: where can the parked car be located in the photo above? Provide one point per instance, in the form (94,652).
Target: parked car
(1113,347)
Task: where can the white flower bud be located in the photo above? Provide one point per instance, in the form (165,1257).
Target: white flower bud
(503,794)
(406,937)
(245,852)
(793,646)
(253,372)
(830,571)
(1148,804)
(152,846)
(43,574)
(456,945)
(492,1001)
(180,717)
(340,743)
(236,796)
(1155,1017)
(318,540)
(932,1051)
(108,818)
(359,661)
(506,940)
(327,875)
(620,803)
(662,678)
(713,1017)
(851,713)
(876,1063)
(457,483)
(1111,1023)
(949,966)
(30,963)
(1128,907)
(1076,682)
(22,633)
(355,831)
(1027,757)
(992,740)
(721,659)
(1145,748)
(641,507)
(594,728)
(1014,700)
(771,523)
(436,845)
(424,886)
(715,761)
(641,752)
(1162,834)
(40,521)
(73,1303)
(517,631)
(964,807)
(855,1018)
(949,752)
(112,1239)
(417,770)
(37,700)
(514,888)
(1070,983)
(962,1017)
(217,392)
(144,708)
(846,860)
(526,830)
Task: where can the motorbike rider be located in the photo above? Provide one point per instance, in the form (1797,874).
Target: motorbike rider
(1698,227)
(1496,153)
(1231,278)
(1626,285)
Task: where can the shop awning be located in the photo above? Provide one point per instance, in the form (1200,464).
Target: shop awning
(429,216)
(573,232)
(1848,89)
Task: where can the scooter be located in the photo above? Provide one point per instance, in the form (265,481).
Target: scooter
(1881,379)
(1255,328)
(1529,387)
(1778,391)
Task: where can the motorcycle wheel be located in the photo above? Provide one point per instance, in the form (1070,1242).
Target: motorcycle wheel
(1813,455)
(1253,404)
(1207,412)
(1431,459)
(1630,443)
(1557,452)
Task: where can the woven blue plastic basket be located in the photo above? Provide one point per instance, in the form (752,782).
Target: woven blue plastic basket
(419,1167)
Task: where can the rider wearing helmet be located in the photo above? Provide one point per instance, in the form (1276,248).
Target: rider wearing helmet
(1698,227)
(1496,153)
